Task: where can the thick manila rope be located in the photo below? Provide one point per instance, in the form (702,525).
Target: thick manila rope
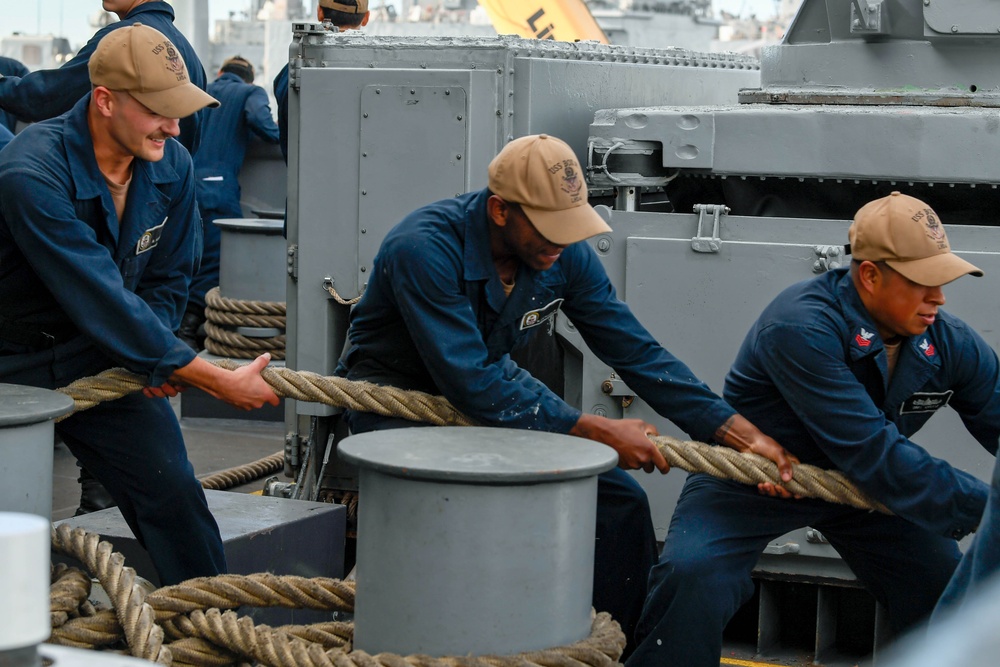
(808,481)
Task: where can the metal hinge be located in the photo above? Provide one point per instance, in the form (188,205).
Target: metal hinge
(293,262)
(828,257)
(702,243)
(869,18)
(294,67)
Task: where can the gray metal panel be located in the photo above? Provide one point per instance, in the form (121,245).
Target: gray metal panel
(434,121)
(962,17)
(933,144)
(700,306)
(583,88)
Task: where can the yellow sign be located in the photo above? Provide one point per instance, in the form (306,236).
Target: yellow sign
(562,20)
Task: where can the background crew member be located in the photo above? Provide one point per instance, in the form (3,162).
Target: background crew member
(841,369)
(461,283)
(11,67)
(346,15)
(99,236)
(225,134)
(48,93)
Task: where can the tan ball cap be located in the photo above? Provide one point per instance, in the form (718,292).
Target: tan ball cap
(542,174)
(359,8)
(142,62)
(907,234)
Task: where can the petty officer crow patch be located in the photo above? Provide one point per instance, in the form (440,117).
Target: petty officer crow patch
(149,238)
(533,318)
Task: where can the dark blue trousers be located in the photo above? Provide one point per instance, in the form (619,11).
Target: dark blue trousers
(981,561)
(134,447)
(625,547)
(718,531)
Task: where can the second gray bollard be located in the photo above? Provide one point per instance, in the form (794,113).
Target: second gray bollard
(27,431)
(252,260)
(474,541)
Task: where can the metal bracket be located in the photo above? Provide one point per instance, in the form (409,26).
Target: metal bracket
(828,257)
(293,261)
(785,549)
(294,68)
(700,242)
(614,387)
(869,18)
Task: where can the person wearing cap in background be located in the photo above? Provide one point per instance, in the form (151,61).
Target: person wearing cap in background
(841,369)
(346,15)
(225,134)
(48,93)
(99,236)
(460,284)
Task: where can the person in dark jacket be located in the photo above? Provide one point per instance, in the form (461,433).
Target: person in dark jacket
(841,369)
(346,15)
(99,237)
(48,93)
(226,131)
(11,67)
(460,284)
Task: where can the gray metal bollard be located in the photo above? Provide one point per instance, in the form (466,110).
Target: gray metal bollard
(252,259)
(474,540)
(24,579)
(27,432)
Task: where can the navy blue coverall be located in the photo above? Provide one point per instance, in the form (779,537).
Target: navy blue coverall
(5,136)
(280,86)
(812,374)
(434,318)
(48,93)
(82,291)
(11,67)
(225,134)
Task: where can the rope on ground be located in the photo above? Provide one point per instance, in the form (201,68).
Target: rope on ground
(227,591)
(808,481)
(212,637)
(137,618)
(244,474)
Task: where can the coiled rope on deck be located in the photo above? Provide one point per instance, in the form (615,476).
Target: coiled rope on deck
(808,481)
(223,315)
(190,615)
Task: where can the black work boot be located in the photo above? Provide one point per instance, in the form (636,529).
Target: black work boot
(93,495)
(190,330)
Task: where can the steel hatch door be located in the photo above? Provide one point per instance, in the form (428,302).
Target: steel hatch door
(700,306)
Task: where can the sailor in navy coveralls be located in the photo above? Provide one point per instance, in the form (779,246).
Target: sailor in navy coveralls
(99,237)
(842,370)
(461,283)
(226,132)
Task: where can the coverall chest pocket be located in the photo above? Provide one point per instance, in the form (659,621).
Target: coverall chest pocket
(132,268)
